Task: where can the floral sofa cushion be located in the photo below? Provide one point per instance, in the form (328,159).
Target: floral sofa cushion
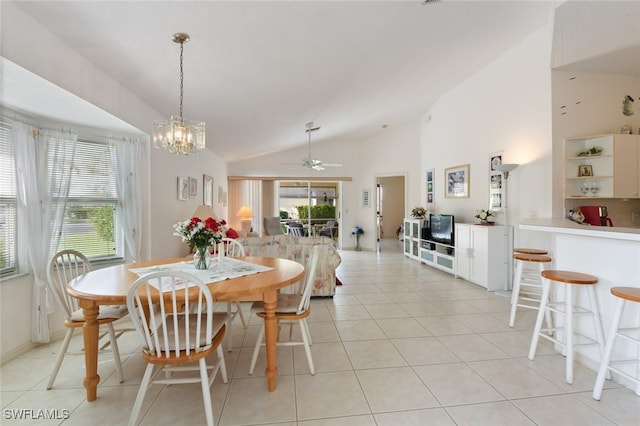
(299,250)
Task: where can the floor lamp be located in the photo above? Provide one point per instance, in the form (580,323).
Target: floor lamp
(505,169)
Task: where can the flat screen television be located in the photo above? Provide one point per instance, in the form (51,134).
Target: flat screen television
(441,228)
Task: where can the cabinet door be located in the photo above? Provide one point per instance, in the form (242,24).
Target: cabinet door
(464,251)
(480,260)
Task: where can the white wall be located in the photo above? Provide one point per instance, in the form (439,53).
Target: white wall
(504,107)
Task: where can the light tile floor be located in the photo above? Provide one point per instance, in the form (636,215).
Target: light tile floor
(399,344)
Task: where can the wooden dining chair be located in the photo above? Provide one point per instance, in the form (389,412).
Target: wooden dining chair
(233,248)
(295,308)
(64,267)
(181,328)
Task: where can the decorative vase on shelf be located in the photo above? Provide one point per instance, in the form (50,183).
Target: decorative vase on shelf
(202,258)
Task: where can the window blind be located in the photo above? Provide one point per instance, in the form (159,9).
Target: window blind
(8,224)
(91,221)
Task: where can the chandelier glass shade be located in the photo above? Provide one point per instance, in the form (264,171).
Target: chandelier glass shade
(177,135)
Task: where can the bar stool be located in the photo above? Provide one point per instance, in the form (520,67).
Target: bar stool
(530,251)
(527,284)
(568,310)
(623,295)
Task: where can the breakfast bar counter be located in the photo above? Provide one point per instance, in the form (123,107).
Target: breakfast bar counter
(610,253)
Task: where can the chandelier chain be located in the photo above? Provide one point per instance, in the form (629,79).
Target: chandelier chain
(181,79)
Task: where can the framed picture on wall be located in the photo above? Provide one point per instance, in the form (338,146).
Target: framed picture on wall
(495,182)
(430,186)
(207,190)
(183,188)
(457,181)
(365,198)
(193,187)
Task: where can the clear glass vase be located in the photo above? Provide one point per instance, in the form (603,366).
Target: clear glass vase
(202,258)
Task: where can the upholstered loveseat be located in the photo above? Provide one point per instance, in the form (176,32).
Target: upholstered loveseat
(297,249)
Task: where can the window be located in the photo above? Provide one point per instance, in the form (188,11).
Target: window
(8,206)
(91,221)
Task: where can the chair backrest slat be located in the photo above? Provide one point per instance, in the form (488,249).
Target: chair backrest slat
(65,266)
(168,330)
(232,247)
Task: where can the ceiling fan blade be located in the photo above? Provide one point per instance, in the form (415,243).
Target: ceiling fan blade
(331,164)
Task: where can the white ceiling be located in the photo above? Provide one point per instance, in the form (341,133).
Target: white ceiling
(257,71)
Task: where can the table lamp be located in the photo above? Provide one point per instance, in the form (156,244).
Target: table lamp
(204,212)
(245,214)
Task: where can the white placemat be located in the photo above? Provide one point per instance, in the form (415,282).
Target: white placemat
(230,268)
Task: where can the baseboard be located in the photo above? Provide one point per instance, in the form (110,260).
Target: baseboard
(28,347)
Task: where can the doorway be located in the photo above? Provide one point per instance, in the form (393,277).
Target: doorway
(390,208)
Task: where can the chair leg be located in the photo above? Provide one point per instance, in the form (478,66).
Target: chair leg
(60,357)
(144,385)
(223,364)
(568,327)
(229,336)
(515,293)
(305,338)
(116,352)
(241,315)
(256,350)
(544,299)
(606,358)
(206,392)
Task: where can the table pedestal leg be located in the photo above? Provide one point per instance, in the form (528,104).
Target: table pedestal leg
(270,337)
(90,332)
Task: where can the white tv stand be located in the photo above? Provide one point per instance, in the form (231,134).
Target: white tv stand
(432,253)
(438,255)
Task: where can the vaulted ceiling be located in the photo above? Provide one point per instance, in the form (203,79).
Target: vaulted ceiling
(257,71)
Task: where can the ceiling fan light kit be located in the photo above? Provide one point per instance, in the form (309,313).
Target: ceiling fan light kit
(177,135)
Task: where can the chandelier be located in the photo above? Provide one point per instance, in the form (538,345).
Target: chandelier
(179,136)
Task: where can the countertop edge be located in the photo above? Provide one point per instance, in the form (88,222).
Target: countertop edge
(566,226)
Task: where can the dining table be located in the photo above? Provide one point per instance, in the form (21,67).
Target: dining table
(110,286)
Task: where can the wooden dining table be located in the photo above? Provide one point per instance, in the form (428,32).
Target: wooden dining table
(109,286)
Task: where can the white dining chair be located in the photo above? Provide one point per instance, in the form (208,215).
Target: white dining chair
(294,308)
(176,330)
(64,267)
(232,248)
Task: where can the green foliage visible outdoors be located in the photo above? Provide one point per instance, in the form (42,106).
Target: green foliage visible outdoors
(317,212)
(3,255)
(103,222)
(284,214)
(90,244)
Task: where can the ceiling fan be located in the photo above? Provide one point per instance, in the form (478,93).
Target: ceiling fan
(313,163)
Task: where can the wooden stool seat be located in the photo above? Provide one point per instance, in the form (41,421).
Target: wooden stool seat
(630,334)
(569,277)
(530,251)
(627,293)
(567,310)
(530,257)
(527,284)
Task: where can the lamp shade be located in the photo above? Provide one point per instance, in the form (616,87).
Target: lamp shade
(245,212)
(506,167)
(204,212)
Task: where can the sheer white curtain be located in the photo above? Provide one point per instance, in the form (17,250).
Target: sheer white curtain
(130,155)
(42,217)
